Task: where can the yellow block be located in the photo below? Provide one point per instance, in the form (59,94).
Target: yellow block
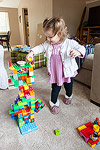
(81,128)
(22,95)
(32,116)
(30,59)
(96,128)
(26,87)
(28,80)
(19,93)
(32,93)
(11,106)
(92,145)
(11,68)
(32,65)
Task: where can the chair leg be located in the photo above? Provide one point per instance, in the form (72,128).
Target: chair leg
(7,45)
(1,43)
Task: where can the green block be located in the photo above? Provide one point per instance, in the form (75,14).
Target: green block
(26,100)
(20,124)
(21,104)
(15,106)
(33,102)
(32,111)
(11,112)
(32,99)
(57,132)
(32,106)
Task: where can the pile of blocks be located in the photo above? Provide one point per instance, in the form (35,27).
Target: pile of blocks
(25,104)
(90,132)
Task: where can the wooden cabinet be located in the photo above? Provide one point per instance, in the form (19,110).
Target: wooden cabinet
(90,34)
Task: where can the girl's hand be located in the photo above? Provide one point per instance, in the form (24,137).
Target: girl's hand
(29,55)
(74,53)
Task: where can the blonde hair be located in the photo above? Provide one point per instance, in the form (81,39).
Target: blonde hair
(58,26)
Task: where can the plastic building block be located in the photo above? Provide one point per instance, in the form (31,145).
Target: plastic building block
(57,132)
(81,128)
(90,132)
(24,106)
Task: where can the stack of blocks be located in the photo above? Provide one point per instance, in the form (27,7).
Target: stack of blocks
(89,131)
(24,106)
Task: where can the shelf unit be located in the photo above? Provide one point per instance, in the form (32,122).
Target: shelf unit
(90,34)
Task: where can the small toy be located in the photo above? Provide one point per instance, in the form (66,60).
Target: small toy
(57,132)
(25,104)
(90,132)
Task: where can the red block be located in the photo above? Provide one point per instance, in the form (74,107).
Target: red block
(93,142)
(89,124)
(9,63)
(28,111)
(21,87)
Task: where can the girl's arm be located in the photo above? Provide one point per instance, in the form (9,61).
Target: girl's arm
(77,50)
(37,50)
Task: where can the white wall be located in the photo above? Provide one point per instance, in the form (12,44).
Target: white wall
(71,11)
(38,10)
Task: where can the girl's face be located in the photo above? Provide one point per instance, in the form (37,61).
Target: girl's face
(51,37)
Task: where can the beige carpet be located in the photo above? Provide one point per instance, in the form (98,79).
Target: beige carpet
(70,117)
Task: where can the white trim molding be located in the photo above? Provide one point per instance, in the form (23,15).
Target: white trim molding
(91,1)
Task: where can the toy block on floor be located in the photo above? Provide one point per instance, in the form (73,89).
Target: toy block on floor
(57,132)
(90,132)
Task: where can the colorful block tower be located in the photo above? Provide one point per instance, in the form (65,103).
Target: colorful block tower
(25,104)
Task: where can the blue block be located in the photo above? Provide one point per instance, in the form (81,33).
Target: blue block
(15,76)
(20,82)
(98,143)
(26,121)
(26,128)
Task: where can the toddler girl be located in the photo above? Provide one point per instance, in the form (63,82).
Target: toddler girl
(3,73)
(61,52)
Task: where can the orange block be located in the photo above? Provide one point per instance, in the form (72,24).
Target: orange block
(15,71)
(23,78)
(22,90)
(31,69)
